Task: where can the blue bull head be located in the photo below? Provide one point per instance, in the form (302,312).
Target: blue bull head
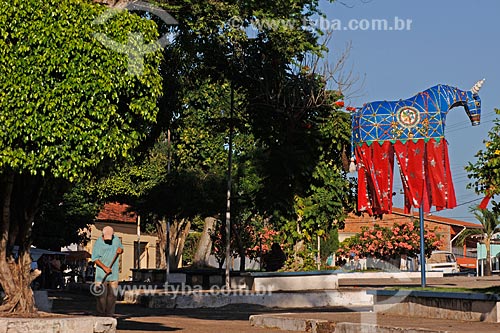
(473,105)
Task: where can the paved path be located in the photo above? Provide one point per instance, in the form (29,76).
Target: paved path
(136,318)
(383,322)
(235,318)
(470,282)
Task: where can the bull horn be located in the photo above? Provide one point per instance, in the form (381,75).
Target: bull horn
(475,89)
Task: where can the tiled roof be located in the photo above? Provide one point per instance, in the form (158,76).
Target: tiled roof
(440,219)
(117,212)
(353,223)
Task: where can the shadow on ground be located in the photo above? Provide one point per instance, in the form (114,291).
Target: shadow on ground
(82,303)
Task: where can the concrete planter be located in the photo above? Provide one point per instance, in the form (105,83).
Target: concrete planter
(442,305)
(220,298)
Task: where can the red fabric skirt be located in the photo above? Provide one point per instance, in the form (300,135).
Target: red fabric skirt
(425,172)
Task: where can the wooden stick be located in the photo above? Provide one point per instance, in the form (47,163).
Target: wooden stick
(111,266)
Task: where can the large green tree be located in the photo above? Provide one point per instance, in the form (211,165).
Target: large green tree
(288,137)
(485,175)
(485,171)
(67,104)
(293,138)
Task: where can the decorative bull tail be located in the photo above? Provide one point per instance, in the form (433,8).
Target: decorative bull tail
(486,200)
(484,203)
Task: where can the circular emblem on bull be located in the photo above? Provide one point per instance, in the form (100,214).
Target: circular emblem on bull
(408,116)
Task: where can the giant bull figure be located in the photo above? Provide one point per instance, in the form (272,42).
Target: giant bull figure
(413,130)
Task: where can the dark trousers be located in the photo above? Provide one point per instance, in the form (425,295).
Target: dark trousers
(107,300)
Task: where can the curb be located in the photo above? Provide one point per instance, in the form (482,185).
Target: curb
(292,324)
(282,322)
(372,328)
(59,324)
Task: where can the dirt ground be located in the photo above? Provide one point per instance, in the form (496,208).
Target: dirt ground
(234,318)
(136,318)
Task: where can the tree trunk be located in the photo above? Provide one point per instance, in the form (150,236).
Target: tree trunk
(243,258)
(204,247)
(241,248)
(161,232)
(19,199)
(178,234)
(487,268)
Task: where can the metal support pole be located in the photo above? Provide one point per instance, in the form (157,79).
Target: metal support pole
(138,242)
(167,232)
(167,254)
(318,258)
(228,207)
(422,245)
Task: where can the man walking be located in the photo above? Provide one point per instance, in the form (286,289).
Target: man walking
(105,253)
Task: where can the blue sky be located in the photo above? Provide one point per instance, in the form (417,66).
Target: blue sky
(455,42)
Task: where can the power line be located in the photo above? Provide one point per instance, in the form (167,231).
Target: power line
(467,122)
(465,127)
(458,205)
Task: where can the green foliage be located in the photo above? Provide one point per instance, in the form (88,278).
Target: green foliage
(287,145)
(69,108)
(136,177)
(329,194)
(66,101)
(190,247)
(330,243)
(485,171)
(490,222)
(62,215)
(303,260)
(489,219)
(203,128)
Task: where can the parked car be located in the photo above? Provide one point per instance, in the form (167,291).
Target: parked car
(442,261)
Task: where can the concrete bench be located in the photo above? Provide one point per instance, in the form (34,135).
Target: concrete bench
(286,281)
(443,305)
(313,280)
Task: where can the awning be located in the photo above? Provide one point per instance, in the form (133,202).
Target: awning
(77,255)
(36,253)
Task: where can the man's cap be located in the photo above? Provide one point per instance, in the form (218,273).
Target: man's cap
(107,233)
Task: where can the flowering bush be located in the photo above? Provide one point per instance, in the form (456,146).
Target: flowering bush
(386,242)
(256,242)
(262,241)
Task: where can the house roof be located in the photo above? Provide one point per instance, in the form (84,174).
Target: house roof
(353,223)
(117,212)
(440,219)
